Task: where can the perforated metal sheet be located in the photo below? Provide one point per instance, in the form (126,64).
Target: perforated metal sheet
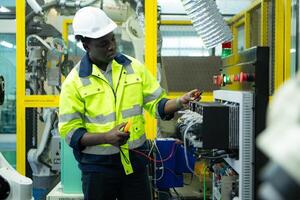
(181,74)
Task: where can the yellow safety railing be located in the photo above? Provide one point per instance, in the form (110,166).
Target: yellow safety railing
(151,54)
(282,30)
(25,101)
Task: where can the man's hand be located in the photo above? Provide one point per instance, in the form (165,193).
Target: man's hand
(194,95)
(173,105)
(117,137)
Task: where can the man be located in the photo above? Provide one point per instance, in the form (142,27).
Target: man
(98,97)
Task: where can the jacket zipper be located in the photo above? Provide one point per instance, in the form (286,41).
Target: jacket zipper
(112,89)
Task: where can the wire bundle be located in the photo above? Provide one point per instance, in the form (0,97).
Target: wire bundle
(192,122)
(208,22)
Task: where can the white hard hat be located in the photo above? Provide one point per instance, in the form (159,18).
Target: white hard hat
(92,22)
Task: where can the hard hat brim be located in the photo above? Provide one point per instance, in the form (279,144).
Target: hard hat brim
(100,33)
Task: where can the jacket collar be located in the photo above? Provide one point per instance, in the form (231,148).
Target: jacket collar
(86,66)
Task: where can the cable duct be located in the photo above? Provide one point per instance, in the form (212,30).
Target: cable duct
(207,21)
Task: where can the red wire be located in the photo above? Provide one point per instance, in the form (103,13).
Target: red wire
(152,159)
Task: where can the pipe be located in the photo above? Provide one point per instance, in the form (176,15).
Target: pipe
(35,6)
(81,4)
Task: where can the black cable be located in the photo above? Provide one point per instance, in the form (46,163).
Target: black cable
(172,172)
(163,192)
(58,88)
(215,157)
(177,194)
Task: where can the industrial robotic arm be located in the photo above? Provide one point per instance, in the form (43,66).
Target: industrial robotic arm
(45,159)
(46,60)
(12,184)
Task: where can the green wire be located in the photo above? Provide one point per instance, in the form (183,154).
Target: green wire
(204,184)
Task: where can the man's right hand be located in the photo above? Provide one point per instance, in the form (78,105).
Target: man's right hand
(116,137)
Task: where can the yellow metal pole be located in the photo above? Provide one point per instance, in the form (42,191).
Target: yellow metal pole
(279,44)
(287,40)
(151,35)
(20,88)
(151,54)
(65,30)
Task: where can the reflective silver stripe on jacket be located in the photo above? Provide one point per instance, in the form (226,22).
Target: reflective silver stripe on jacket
(84,81)
(129,69)
(101,119)
(69,136)
(136,110)
(69,117)
(102,150)
(153,96)
(137,143)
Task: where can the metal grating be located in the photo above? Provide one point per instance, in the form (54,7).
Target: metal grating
(233,125)
(244,166)
(184,73)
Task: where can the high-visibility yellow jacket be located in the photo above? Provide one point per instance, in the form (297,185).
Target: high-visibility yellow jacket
(88,103)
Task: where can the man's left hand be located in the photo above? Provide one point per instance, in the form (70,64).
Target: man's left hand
(194,95)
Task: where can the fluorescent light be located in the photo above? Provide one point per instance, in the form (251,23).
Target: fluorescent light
(6,44)
(4,9)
